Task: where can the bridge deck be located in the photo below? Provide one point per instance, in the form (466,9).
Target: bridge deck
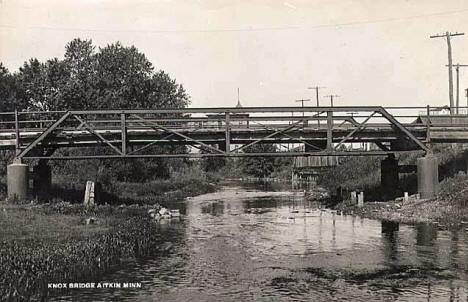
(228,131)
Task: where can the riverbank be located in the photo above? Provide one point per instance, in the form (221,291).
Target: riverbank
(447,211)
(61,242)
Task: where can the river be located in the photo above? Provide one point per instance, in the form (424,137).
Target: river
(250,243)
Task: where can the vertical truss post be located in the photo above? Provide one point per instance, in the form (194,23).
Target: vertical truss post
(123,125)
(329,130)
(17,134)
(228,133)
(428,125)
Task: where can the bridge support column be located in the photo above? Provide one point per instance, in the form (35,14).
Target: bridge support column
(428,176)
(389,181)
(17,181)
(42,182)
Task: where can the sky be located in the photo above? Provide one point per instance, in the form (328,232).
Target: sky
(368,52)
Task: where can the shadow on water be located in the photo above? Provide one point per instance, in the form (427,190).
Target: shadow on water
(250,243)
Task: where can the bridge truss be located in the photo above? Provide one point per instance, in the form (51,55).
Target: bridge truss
(228,132)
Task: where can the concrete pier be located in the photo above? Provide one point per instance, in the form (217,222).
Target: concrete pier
(17,179)
(428,176)
(389,181)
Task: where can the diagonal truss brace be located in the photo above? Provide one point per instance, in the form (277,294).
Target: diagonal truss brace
(391,119)
(274,134)
(91,130)
(42,137)
(358,128)
(292,138)
(157,126)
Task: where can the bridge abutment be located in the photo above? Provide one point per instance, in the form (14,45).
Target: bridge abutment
(17,180)
(389,180)
(428,176)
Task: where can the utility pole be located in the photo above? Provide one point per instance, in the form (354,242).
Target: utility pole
(302,101)
(457,70)
(317,98)
(466,94)
(331,96)
(317,93)
(447,35)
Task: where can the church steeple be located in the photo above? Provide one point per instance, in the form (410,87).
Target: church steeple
(238,100)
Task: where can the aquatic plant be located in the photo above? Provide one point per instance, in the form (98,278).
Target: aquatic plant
(28,266)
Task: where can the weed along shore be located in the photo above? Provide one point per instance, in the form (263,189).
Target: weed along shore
(447,211)
(55,245)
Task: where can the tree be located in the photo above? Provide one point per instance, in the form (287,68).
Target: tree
(112,77)
(115,77)
(7,90)
(260,166)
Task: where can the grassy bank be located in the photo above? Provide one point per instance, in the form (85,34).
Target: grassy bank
(449,210)
(49,241)
(53,243)
(189,182)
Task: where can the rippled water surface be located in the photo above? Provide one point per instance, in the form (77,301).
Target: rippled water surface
(244,244)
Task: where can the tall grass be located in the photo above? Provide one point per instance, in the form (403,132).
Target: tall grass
(28,266)
(363,173)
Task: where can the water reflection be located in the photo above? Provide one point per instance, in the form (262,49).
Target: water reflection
(245,244)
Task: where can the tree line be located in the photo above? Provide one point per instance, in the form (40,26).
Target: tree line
(110,77)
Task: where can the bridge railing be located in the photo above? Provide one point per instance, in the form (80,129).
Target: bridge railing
(331,127)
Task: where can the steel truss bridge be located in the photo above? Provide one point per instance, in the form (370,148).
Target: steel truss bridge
(229,132)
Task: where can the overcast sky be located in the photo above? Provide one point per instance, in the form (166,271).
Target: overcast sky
(369,52)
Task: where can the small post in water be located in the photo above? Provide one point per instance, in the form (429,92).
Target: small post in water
(360,200)
(353,197)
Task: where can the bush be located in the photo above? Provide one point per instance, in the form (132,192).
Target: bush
(455,189)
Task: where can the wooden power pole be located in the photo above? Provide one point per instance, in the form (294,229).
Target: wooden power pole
(317,98)
(317,93)
(332,96)
(457,71)
(302,101)
(447,35)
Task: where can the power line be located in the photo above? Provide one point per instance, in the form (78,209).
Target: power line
(248,29)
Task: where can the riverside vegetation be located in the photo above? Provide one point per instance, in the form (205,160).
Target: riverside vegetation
(448,210)
(51,242)
(47,240)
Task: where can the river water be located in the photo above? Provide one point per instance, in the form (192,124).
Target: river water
(248,243)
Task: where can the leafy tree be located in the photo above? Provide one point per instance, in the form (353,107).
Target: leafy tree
(112,77)
(259,166)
